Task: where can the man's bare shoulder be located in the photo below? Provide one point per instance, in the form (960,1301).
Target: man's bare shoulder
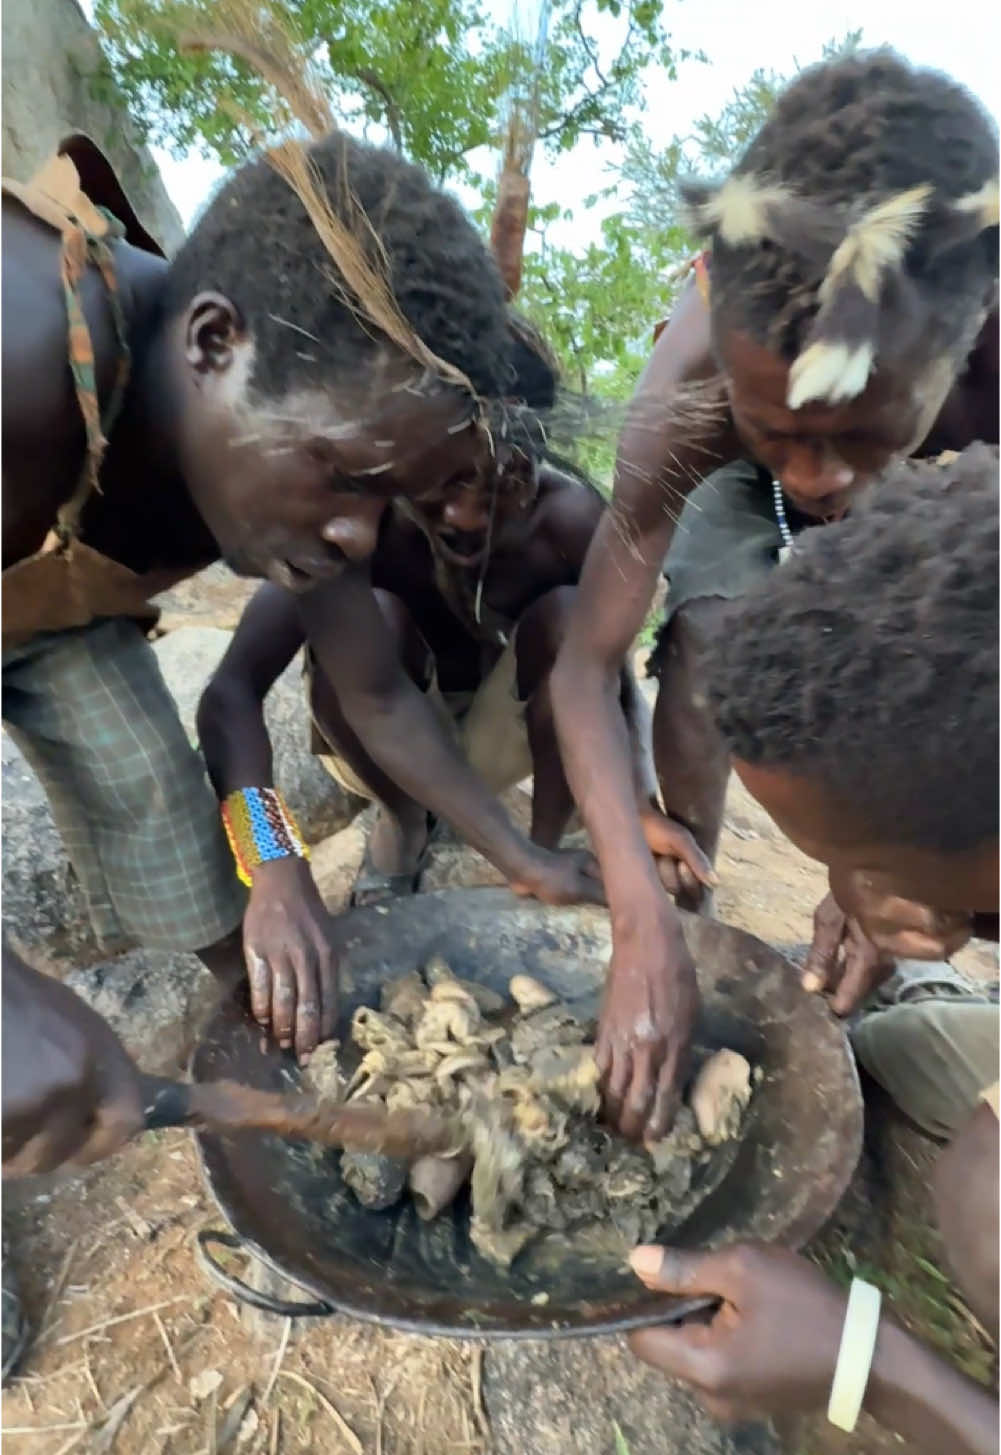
(33,290)
(563,490)
(34,312)
(683,350)
(43,430)
(567,512)
(38,391)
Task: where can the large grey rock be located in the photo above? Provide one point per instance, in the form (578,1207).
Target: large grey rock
(569,1395)
(56,81)
(44,911)
(454,865)
(212,597)
(157,1002)
(189,656)
(335,863)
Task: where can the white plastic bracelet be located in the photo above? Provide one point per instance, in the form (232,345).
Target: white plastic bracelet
(858,1344)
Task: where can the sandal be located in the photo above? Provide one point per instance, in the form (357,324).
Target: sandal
(15,1329)
(912,982)
(372,886)
(915,981)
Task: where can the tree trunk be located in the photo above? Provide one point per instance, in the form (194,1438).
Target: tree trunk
(510,222)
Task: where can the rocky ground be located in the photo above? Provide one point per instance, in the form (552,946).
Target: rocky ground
(137,1353)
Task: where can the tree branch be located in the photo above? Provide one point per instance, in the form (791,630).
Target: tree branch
(445,163)
(588,43)
(394,116)
(575,348)
(607,129)
(614,131)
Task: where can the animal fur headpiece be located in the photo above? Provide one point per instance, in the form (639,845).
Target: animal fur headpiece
(839,352)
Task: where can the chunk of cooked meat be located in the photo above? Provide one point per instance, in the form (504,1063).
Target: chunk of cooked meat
(523,1082)
(720,1094)
(376,1181)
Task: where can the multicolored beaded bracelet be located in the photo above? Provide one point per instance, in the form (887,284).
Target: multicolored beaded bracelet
(260,828)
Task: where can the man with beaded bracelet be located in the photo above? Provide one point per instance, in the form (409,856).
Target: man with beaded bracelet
(156,417)
(476,634)
(897,792)
(193,379)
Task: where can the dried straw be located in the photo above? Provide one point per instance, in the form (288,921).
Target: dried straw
(256,34)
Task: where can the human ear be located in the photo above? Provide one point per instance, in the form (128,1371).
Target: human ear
(213,329)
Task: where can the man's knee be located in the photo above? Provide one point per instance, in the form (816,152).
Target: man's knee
(159,773)
(542,628)
(933,1057)
(395,612)
(682,703)
(966,1201)
(690,632)
(548,616)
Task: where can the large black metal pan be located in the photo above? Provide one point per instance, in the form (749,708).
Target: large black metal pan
(286,1203)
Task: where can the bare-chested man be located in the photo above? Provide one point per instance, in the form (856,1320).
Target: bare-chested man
(846,318)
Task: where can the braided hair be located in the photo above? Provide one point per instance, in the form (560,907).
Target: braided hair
(861,222)
(877,675)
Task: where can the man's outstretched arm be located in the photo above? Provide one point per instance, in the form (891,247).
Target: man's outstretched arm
(677,430)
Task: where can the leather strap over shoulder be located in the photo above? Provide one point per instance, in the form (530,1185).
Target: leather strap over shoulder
(54,195)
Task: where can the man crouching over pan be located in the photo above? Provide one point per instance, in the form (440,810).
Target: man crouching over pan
(866,722)
(463,600)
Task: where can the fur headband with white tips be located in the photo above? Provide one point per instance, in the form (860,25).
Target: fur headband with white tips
(739,212)
(961,220)
(984,206)
(840,348)
(745,211)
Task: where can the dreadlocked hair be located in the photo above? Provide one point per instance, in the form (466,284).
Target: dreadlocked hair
(547,411)
(536,368)
(257,245)
(540,407)
(530,391)
(860,222)
(869,659)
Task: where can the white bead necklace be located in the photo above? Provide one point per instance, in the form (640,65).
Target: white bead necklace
(781,521)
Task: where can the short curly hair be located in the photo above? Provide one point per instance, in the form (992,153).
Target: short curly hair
(869,660)
(256,245)
(863,211)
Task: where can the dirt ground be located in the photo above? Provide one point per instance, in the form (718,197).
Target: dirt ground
(137,1353)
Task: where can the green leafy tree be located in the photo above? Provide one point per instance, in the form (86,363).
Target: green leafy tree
(441,80)
(598,305)
(436,76)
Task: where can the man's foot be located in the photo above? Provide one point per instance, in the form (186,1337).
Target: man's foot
(701,901)
(915,981)
(396,855)
(15,1330)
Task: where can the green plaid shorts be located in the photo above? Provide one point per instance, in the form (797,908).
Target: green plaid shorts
(138,818)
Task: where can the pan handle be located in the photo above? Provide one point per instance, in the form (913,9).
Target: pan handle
(285,1308)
